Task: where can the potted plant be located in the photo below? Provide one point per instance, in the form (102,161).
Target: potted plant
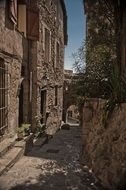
(20,133)
(40,127)
(23,130)
(26,129)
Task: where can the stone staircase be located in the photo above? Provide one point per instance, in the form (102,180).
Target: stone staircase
(11,150)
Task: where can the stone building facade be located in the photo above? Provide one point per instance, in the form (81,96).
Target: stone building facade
(32,39)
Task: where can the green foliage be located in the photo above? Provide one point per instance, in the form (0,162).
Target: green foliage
(101,78)
(79,59)
(40,127)
(117,95)
(20,130)
(97,60)
(23,130)
(94,78)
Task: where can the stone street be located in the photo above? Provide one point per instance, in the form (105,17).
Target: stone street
(52,166)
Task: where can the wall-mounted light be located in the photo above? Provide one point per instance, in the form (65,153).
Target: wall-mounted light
(66,88)
(44,80)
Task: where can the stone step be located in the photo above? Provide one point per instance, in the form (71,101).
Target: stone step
(6,145)
(10,158)
(14,152)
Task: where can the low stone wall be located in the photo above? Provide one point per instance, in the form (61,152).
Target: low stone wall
(105,148)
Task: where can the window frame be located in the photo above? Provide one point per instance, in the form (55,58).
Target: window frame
(57,54)
(3,97)
(48,58)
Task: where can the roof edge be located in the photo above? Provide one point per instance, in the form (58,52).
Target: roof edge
(65,21)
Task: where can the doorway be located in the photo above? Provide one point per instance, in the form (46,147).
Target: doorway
(43,106)
(20,118)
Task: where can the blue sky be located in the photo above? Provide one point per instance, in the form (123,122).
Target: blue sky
(76,29)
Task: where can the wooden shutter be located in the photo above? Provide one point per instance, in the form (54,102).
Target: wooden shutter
(32,23)
(13,10)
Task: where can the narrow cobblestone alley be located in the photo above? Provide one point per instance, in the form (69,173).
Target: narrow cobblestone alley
(53,166)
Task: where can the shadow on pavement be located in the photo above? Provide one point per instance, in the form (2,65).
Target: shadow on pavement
(60,176)
(60,168)
(58,181)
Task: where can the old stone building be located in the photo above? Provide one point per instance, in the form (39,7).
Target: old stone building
(32,39)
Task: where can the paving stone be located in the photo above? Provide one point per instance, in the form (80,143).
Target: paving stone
(52,166)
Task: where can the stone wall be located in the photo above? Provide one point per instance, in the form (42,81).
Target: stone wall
(53,71)
(104,148)
(26,66)
(11,51)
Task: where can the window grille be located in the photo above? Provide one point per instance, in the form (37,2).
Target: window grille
(3,98)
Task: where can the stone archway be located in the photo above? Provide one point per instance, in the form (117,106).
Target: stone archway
(68,100)
(72,114)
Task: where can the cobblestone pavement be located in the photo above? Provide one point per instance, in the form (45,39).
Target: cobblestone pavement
(53,166)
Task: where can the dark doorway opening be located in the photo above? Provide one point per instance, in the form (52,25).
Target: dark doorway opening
(21,105)
(43,106)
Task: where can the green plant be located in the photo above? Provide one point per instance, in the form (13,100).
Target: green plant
(40,127)
(24,129)
(20,133)
(117,95)
(20,130)
(27,128)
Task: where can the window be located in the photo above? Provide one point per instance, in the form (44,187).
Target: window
(25,17)
(21,23)
(47,45)
(56,95)
(23,71)
(13,11)
(17,14)
(32,21)
(57,54)
(3,97)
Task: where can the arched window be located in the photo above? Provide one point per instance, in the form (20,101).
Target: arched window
(3,97)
